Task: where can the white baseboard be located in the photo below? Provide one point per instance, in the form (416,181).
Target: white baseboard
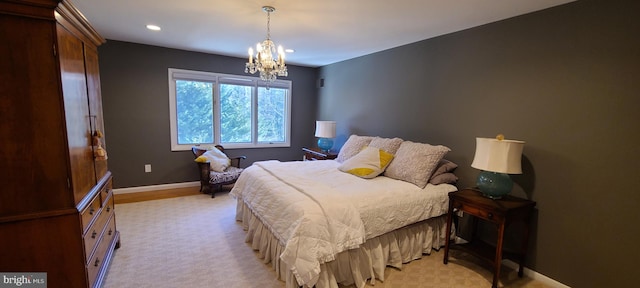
(534,275)
(155,187)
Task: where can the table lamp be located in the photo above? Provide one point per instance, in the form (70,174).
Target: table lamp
(326,130)
(497,157)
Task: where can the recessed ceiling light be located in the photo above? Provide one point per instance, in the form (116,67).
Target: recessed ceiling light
(153,27)
(289,50)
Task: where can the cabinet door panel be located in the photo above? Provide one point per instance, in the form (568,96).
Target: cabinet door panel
(33,152)
(76,106)
(95,101)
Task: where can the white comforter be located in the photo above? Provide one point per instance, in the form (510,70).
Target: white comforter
(316,211)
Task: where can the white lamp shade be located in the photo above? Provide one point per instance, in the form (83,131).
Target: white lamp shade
(502,156)
(326,129)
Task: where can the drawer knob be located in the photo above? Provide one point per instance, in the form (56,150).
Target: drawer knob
(490,215)
(108,208)
(97,262)
(110,231)
(93,235)
(91,210)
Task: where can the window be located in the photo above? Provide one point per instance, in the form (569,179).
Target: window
(234,111)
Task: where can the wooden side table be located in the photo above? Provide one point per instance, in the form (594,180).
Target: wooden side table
(501,212)
(316,154)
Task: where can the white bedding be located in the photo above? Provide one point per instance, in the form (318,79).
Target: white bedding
(315,211)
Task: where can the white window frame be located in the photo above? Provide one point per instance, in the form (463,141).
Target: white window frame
(216,79)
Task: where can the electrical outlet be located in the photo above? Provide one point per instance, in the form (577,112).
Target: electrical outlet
(147,168)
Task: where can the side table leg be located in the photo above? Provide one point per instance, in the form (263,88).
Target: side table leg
(498,260)
(448,236)
(525,243)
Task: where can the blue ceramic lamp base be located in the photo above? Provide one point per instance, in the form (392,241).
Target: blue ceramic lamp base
(325,144)
(494,185)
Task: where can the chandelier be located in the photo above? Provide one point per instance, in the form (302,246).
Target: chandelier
(264,60)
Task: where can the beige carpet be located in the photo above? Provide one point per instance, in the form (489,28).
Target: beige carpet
(194,241)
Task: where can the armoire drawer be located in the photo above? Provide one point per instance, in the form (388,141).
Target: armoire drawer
(89,213)
(92,235)
(106,192)
(108,205)
(104,241)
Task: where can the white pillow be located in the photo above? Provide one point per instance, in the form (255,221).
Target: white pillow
(415,162)
(353,146)
(369,163)
(390,145)
(217,159)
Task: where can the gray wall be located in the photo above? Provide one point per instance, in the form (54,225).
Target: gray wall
(135,95)
(565,80)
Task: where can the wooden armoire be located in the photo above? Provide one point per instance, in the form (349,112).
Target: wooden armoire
(56,201)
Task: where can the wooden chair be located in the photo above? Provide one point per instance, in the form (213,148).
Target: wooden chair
(212,181)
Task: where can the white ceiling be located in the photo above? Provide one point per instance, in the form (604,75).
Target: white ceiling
(321,31)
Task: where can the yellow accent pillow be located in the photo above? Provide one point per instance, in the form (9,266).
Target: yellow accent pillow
(201,159)
(368,163)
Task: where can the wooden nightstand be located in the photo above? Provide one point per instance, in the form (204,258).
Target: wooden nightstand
(501,212)
(316,154)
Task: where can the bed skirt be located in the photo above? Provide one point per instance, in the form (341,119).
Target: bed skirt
(354,266)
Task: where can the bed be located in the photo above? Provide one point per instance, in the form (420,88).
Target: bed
(319,225)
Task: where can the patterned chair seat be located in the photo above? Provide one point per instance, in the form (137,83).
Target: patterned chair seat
(229,175)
